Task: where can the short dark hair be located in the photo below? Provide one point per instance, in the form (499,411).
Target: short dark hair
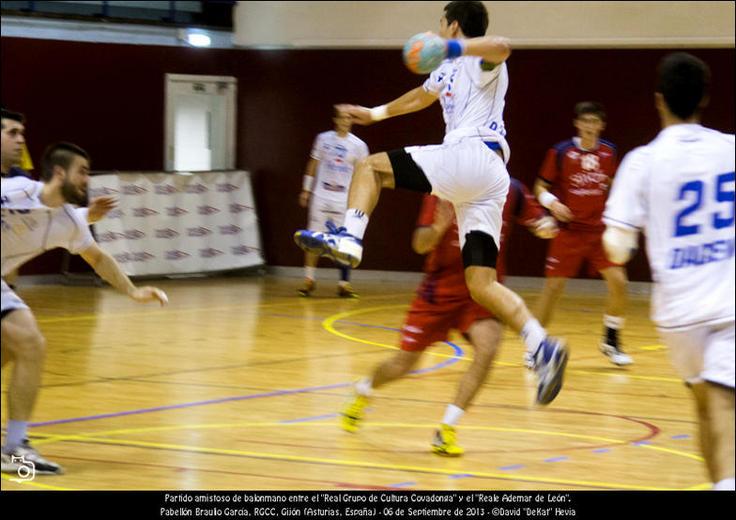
(590,107)
(684,81)
(15,116)
(59,154)
(471,16)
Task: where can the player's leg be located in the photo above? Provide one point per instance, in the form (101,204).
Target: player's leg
(425,323)
(21,337)
(484,335)
(718,372)
(310,273)
(613,320)
(553,288)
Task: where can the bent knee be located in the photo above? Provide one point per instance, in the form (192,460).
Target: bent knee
(28,345)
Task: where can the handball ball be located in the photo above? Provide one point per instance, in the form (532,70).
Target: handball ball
(424,52)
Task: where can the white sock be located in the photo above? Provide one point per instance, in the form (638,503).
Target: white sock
(364,386)
(17,432)
(452,415)
(727,484)
(355,222)
(613,322)
(533,334)
(309,272)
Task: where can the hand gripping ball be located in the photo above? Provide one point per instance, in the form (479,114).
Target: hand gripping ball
(424,52)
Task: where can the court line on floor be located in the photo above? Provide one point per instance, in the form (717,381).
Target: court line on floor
(99,438)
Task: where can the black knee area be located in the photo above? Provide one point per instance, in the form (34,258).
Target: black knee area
(479,250)
(407,174)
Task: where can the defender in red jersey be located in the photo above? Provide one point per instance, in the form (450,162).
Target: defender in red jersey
(443,303)
(573,184)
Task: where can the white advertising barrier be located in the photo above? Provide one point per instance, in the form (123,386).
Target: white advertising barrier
(169,223)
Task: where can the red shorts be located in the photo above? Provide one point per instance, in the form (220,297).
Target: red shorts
(427,323)
(569,249)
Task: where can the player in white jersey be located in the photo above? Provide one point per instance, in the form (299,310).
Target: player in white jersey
(468,169)
(679,190)
(325,191)
(36,217)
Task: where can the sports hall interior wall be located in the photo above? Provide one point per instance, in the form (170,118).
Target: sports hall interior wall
(109,98)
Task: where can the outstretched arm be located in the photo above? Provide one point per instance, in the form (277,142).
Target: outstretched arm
(493,49)
(106,266)
(413,101)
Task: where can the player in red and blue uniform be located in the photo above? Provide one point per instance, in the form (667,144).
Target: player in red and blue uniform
(573,184)
(443,303)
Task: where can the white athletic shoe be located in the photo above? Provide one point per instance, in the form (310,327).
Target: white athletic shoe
(616,355)
(550,360)
(25,461)
(336,243)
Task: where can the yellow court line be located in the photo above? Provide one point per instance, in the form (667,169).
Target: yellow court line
(372,465)
(99,437)
(36,484)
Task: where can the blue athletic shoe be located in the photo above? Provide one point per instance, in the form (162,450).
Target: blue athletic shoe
(335,243)
(550,361)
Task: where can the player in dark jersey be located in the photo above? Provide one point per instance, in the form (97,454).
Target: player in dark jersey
(573,184)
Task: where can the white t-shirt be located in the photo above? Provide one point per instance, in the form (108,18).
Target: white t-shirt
(337,158)
(679,189)
(470,96)
(29,228)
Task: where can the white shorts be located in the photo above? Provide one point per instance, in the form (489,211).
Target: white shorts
(10,300)
(471,176)
(703,353)
(321,210)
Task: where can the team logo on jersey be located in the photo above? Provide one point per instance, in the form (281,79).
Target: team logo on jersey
(198,232)
(175,211)
(590,162)
(232,229)
(166,233)
(239,208)
(165,189)
(144,212)
(227,188)
(207,210)
(196,188)
(210,252)
(175,254)
(133,189)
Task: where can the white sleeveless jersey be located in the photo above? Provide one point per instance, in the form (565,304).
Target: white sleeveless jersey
(680,190)
(471,98)
(29,228)
(337,158)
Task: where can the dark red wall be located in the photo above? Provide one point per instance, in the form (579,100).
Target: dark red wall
(110,99)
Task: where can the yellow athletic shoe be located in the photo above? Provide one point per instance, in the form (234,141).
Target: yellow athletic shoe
(352,414)
(445,442)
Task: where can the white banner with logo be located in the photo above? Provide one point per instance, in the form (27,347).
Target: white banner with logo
(168,223)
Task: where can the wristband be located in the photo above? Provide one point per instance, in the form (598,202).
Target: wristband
(546,199)
(455,48)
(308,183)
(379,113)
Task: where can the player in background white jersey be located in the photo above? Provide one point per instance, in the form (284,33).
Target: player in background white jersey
(325,191)
(468,169)
(36,217)
(679,190)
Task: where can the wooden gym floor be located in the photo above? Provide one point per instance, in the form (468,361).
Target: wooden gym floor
(237,384)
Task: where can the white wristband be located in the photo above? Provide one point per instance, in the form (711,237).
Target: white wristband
(379,113)
(308,183)
(546,199)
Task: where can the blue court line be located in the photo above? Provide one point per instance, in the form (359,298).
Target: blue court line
(601,450)
(556,459)
(461,475)
(276,393)
(403,484)
(641,443)
(511,468)
(678,437)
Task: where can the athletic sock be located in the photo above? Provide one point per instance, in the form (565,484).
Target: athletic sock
(364,386)
(612,324)
(17,432)
(355,222)
(452,415)
(309,272)
(533,334)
